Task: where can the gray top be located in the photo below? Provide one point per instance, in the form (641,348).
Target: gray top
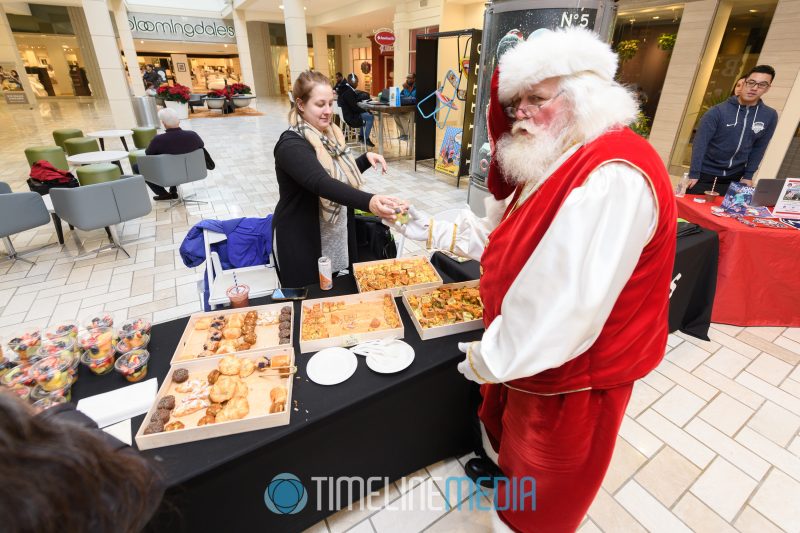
(333,237)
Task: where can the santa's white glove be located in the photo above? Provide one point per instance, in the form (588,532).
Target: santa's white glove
(416,228)
(464,367)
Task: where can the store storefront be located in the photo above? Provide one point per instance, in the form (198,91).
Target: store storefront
(200,53)
(50,51)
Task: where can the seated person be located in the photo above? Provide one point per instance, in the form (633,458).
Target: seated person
(354,115)
(408,96)
(340,83)
(62,473)
(173,141)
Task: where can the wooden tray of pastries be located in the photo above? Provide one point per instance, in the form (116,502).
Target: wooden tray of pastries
(242,330)
(445,310)
(209,398)
(348,320)
(397,275)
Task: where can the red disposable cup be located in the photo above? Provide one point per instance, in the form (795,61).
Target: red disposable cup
(239,295)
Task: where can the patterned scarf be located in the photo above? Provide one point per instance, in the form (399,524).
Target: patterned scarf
(334,156)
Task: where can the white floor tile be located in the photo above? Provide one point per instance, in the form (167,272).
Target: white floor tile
(724,488)
(678,405)
(775,423)
(726,414)
(413,511)
(776,499)
(647,510)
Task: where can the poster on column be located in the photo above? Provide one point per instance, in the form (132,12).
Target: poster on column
(11,85)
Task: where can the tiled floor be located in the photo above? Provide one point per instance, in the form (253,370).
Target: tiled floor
(710,441)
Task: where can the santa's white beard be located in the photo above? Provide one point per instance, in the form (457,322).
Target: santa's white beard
(527,157)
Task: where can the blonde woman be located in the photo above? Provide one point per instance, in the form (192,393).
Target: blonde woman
(319,183)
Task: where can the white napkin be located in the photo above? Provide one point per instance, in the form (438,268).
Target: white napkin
(118,405)
(121,431)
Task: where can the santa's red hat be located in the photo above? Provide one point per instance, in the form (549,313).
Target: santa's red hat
(545,54)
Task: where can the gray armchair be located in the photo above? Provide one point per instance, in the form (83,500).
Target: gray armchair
(103,205)
(19,211)
(174,171)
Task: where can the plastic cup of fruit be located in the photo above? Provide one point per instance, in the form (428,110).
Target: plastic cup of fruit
(99,321)
(39,393)
(99,366)
(135,324)
(133,365)
(73,367)
(99,342)
(19,375)
(132,340)
(26,346)
(23,392)
(67,329)
(53,372)
(57,346)
(48,401)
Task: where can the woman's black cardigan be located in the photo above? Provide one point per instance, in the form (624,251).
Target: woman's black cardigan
(301,183)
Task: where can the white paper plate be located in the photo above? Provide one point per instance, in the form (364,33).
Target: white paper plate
(331,366)
(399,357)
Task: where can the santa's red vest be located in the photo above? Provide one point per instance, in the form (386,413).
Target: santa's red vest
(634,337)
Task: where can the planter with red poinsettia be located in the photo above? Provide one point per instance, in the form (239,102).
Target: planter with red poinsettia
(216,99)
(176,97)
(241,94)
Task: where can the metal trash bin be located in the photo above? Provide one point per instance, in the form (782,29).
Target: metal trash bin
(144,107)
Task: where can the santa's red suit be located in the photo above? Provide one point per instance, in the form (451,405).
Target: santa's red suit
(575,284)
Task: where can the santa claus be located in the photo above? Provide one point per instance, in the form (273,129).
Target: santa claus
(576,267)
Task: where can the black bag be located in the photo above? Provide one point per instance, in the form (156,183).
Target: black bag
(374,240)
(210,165)
(43,187)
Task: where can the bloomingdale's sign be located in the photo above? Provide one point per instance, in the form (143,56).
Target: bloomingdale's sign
(177,28)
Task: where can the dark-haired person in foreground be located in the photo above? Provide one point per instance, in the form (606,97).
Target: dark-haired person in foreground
(60,473)
(733,136)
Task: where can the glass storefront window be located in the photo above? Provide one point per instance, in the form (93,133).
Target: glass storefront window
(53,64)
(740,45)
(361,61)
(644,39)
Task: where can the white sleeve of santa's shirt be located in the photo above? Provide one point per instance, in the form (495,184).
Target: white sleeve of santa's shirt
(557,306)
(466,235)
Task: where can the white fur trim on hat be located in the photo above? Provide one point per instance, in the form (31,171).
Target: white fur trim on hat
(548,54)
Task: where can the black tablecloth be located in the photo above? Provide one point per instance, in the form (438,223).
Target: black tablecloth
(371,425)
(694,280)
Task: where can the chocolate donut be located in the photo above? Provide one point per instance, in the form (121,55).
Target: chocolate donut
(180,375)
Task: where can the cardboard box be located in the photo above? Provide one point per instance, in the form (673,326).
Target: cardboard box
(259,417)
(192,340)
(351,339)
(449,329)
(398,290)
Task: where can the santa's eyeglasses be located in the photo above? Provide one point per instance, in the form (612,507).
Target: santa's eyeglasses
(528,111)
(759,84)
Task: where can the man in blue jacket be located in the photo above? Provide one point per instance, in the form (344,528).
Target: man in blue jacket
(733,136)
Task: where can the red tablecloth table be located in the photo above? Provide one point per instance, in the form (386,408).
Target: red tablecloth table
(758,279)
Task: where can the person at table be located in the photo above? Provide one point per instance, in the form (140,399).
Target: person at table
(733,136)
(340,83)
(408,96)
(575,278)
(319,183)
(62,473)
(174,141)
(355,117)
(151,77)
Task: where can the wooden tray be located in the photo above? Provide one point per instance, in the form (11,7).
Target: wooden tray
(258,398)
(374,298)
(449,329)
(397,291)
(192,340)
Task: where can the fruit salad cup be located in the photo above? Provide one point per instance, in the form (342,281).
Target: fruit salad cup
(23,392)
(19,375)
(65,392)
(53,372)
(98,342)
(26,346)
(99,321)
(99,366)
(67,329)
(136,324)
(58,346)
(134,335)
(133,365)
(47,402)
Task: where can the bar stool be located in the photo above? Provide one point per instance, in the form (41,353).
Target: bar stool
(59,136)
(98,173)
(143,136)
(81,145)
(52,154)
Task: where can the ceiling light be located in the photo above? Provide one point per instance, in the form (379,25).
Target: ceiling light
(754,11)
(225,45)
(280,6)
(141,42)
(656,17)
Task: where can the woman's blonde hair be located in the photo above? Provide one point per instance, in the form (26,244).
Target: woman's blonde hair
(301,90)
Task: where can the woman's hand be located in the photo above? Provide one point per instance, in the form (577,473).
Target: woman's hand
(376,159)
(385,206)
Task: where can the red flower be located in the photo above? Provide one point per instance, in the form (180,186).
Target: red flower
(176,93)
